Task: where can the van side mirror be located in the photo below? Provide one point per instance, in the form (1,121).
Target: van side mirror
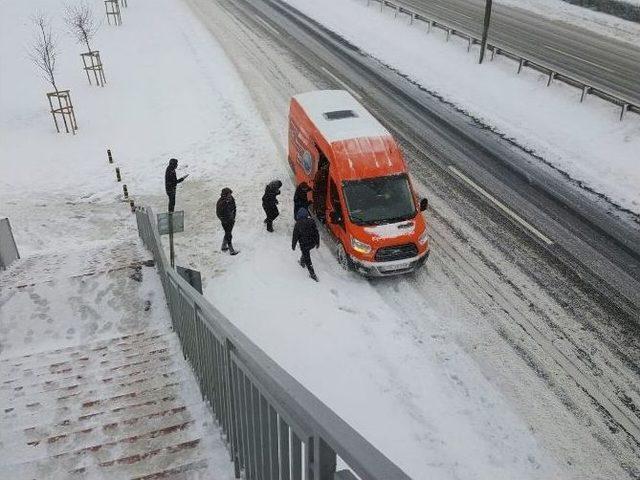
(424,204)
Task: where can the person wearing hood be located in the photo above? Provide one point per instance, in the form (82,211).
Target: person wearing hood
(226,212)
(301,198)
(171,182)
(306,234)
(270,203)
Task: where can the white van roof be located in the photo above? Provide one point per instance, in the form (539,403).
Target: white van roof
(339,116)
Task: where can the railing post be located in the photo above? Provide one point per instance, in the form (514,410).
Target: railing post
(296,457)
(232,408)
(585,91)
(273,444)
(552,75)
(625,106)
(285,461)
(322,460)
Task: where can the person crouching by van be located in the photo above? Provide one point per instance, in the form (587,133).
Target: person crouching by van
(226,212)
(306,234)
(270,203)
(301,198)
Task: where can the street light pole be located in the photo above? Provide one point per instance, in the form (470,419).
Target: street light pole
(485,31)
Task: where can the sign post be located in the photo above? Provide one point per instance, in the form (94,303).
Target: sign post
(170,223)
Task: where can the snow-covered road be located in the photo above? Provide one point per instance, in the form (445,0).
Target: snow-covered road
(468,307)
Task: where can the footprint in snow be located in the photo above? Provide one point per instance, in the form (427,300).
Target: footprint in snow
(347,309)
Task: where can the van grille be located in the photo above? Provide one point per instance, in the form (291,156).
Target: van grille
(397,252)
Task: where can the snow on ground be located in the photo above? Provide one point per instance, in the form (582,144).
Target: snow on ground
(172,92)
(597,22)
(585,140)
(77,296)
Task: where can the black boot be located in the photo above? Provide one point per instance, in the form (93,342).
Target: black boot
(224,247)
(232,251)
(301,263)
(269,225)
(312,273)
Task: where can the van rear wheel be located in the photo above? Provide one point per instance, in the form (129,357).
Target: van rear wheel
(343,258)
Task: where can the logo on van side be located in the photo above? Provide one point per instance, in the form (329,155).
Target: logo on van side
(306,161)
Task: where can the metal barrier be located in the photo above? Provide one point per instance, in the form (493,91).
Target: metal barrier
(274,428)
(8,249)
(554,73)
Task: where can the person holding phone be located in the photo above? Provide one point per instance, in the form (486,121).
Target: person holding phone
(171,182)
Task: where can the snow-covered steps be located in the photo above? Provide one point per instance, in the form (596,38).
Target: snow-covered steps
(125,407)
(93,382)
(74,263)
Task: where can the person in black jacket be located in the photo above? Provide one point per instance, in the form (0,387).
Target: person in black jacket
(171,181)
(226,212)
(301,198)
(270,203)
(306,234)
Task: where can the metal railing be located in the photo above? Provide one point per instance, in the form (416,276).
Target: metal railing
(8,249)
(274,428)
(554,72)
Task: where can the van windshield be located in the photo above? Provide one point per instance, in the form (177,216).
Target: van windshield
(379,200)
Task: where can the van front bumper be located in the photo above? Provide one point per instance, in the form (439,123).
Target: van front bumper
(387,269)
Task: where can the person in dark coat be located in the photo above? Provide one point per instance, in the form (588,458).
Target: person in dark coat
(171,182)
(226,212)
(306,234)
(270,203)
(301,198)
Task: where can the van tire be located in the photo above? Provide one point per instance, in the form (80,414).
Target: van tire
(343,259)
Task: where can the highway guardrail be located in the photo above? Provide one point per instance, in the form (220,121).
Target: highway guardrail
(554,73)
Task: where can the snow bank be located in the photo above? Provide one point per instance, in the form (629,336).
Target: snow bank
(585,140)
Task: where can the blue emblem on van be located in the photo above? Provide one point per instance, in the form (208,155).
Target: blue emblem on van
(306,161)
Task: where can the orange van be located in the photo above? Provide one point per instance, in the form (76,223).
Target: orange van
(361,186)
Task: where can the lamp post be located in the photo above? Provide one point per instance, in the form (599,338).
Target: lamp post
(485,30)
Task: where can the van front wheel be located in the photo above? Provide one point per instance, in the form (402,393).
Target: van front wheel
(343,258)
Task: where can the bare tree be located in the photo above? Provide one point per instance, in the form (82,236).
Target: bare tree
(84,26)
(43,54)
(44,50)
(82,23)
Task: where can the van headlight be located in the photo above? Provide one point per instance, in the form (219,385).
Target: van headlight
(359,246)
(424,237)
